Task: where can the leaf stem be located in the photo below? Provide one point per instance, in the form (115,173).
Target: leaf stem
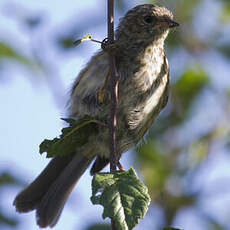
(93,40)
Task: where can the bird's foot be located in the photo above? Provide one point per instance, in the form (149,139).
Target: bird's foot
(120,166)
(109,47)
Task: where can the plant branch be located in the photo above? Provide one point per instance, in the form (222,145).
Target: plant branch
(114,93)
(114,88)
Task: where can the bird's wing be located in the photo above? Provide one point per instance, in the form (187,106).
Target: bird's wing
(90,95)
(89,92)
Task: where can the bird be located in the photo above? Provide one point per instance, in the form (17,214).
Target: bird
(143,89)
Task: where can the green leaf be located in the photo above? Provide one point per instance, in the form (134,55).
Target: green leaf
(76,134)
(86,37)
(124,197)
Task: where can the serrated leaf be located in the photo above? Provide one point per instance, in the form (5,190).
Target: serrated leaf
(124,197)
(86,37)
(76,134)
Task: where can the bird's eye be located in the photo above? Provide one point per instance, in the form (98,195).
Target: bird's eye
(148,19)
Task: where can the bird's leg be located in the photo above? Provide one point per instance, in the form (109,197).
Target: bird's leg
(120,166)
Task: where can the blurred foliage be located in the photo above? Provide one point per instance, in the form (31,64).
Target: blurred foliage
(6,51)
(33,21)
(7,179)
(4,220)
(67,42)
(174,154)
(225,49)
(164,161)
(185,91)
(189,85)
(225,13)
(158,168)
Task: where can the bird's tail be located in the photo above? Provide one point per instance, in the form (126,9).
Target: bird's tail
(48,193)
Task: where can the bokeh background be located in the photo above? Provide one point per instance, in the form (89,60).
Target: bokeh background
(185,160)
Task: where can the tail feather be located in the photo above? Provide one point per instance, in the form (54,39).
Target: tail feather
(29,198)
(52,203)
(50,190)
(98,165)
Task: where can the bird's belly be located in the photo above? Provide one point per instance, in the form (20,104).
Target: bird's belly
(143,109)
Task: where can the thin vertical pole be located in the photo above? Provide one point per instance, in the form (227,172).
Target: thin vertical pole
(114,88)
(114,94)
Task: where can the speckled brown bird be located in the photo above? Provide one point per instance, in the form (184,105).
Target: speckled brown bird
(143,92)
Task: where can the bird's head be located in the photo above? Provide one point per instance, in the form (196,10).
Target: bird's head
(146,22)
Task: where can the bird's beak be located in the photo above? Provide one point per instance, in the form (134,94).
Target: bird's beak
(167,23)
(171,23)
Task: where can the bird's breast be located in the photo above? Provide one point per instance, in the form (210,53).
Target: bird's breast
(147,91)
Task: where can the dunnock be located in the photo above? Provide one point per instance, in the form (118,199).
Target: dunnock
(143,92)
